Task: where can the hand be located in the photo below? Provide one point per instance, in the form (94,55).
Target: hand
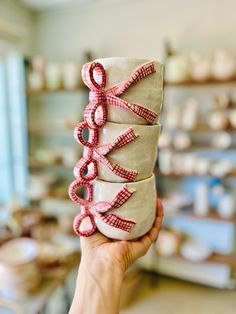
(120,254)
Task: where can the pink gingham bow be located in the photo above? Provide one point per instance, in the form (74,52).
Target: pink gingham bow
(95,113)
(99,210)
(92,155)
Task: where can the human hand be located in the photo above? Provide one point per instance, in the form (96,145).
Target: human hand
(119,254)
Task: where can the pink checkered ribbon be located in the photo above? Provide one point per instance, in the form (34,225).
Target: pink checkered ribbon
(97,154)
(95,113)
(100,211)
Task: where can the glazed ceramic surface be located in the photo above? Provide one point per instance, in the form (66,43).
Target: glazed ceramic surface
(139,155)
(141,207)
(148,92)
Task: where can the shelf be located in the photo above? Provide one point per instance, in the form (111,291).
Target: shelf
(50,128)
(203,128)
(189,214)
(215,258)
(179,176)
(200,84)
(31,92)
(34,163)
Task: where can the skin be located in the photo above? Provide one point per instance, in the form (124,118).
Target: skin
(102,268)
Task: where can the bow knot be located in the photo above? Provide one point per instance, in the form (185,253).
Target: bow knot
(100,211)
(98,96)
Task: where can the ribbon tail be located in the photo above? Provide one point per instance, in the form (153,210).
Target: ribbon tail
(120,171)
(142,112)
(138,74)
(121,197)
(118,222)
(77,223)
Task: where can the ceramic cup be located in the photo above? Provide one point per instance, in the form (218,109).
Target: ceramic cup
(148,92)
(139,154)
(140,207)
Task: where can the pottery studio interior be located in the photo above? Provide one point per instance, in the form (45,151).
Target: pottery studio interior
(117,157)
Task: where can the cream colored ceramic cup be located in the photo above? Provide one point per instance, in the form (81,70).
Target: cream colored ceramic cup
(148,92)
(140,207)
(139,154)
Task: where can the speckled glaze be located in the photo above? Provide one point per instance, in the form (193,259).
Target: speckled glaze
(141,207)
(148,92)
(140,154)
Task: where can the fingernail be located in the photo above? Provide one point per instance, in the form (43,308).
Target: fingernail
(160,210)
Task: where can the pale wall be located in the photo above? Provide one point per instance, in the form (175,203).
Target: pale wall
(136,27)
(20,20)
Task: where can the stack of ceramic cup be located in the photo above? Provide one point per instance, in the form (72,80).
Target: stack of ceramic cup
(122,118)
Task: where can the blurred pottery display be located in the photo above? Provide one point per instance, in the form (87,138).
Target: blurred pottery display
(8,306)
(232,118)
(165,161)
(48,156)
(190,115)
(18,272)
(69,156)
(35,80)
(189,162)
(201,199)
(200,68)
(218,120)
(221,140)
(168,242)
(173,117)
(165,140)
(46,229)
(202,166)
(37,188)
(27,219)
(222,168)
(195,250)
(226,207)
(38,64)
(221,101)
(177,69)
(71,75)
(182,140)
(53,75)
(223,66)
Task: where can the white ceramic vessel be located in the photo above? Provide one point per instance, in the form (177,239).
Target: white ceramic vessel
(141,207)
(148,92)
(139,154)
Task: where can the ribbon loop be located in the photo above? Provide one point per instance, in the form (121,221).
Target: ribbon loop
(94,75)
(73,189)
(95,114)
(93,135)
(86,164)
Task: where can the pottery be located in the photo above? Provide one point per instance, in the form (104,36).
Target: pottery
(177,69)
(200,68)
(223,66)
(148,92)
(140,207)
(139,154)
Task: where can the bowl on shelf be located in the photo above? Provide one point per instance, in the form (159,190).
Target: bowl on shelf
(18,272)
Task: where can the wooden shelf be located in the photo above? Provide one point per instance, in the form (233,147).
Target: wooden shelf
(203,128)
(50,128)
(189,214)
(179,176)
(199,84)
(34,163)
(31,92)
(215,258)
